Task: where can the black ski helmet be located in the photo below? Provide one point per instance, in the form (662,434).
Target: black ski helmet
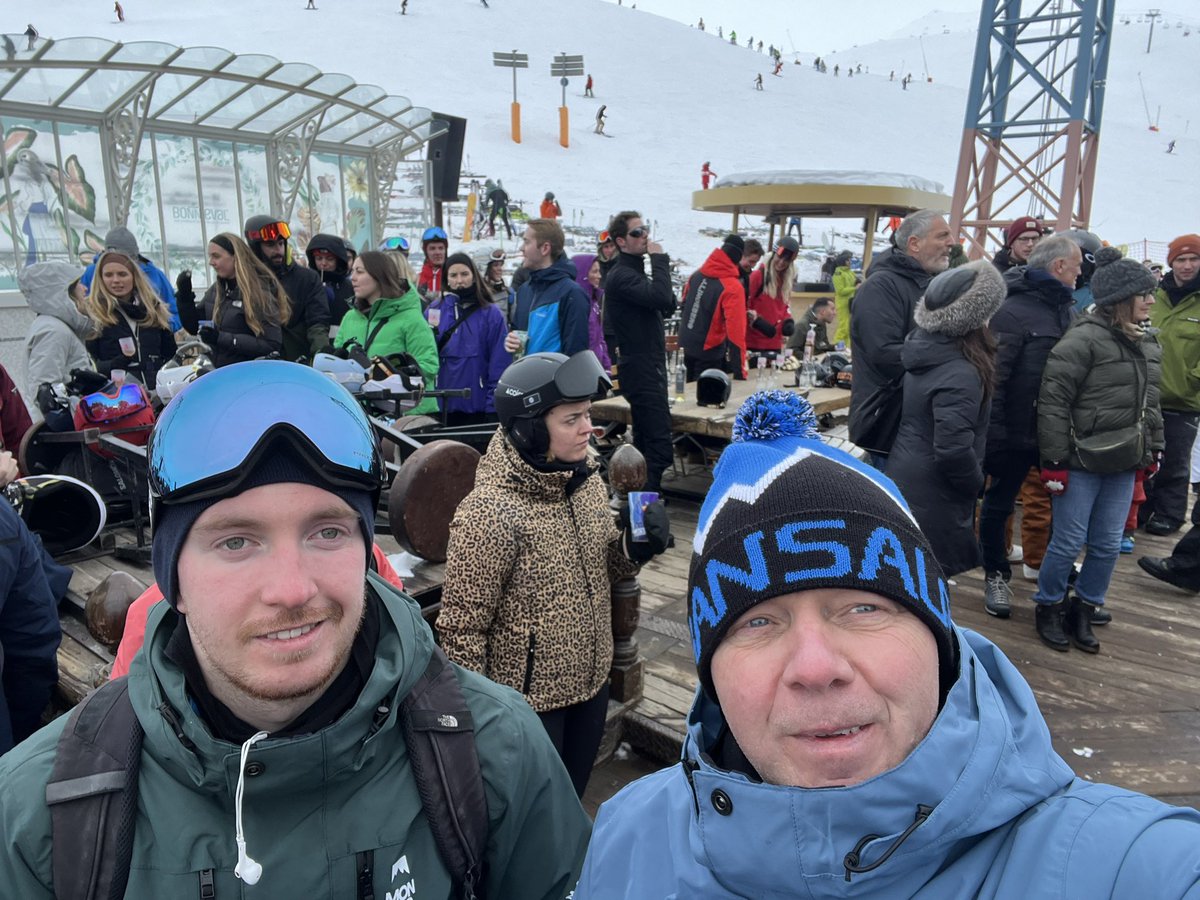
(713,387)
(253,232)
(535,384)
(64,512)
(1089,245)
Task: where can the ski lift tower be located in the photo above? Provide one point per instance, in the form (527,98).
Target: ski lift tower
(1032,127)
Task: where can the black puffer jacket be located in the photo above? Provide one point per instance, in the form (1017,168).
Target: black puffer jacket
(1003,260)
(1098,381)
(307,331)
(882,317)
(937,459)
(152,348)
(338,292)
(1036,314)
(236,341)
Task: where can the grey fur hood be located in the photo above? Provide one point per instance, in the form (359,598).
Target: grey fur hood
(960,300)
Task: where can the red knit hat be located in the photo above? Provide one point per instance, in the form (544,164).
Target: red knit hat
(1019,227)
(1185,243)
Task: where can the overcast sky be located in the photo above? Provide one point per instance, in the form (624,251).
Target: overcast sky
(818,25)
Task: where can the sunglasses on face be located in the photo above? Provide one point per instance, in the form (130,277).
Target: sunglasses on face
(644,231)
(275,231)
(323,253)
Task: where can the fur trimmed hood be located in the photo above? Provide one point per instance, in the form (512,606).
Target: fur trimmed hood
(962,299)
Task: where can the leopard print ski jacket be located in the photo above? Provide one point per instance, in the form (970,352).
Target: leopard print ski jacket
(529,571)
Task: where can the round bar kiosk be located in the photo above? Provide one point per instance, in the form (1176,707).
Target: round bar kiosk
(778,195)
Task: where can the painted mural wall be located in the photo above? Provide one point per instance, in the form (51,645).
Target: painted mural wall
(54,200)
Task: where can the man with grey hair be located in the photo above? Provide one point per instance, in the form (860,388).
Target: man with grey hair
(883,317)
(1037,312)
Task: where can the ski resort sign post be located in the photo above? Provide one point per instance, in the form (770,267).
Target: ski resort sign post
(513,61)
(563,68)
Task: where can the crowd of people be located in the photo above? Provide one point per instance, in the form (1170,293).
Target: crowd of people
(1075,379)
(276,676)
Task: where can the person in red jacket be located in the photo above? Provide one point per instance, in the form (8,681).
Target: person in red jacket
(767,311)
(434,244)
(14,414)
(712,324)
(550,208)
(706,176)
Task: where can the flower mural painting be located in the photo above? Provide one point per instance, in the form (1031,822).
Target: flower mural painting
(37,191)
(357,186)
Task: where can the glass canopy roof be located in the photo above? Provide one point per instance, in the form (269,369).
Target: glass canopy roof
(207,88)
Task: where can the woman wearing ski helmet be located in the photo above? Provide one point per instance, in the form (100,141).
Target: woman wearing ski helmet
(534,551)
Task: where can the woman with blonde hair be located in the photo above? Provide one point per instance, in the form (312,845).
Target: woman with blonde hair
(243,310)
(767,310)
(133,325)
(403,266)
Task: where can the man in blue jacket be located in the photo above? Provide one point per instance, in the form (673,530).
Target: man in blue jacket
(846,730)
(551,307)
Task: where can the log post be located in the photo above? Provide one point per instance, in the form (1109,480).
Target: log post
(626,472)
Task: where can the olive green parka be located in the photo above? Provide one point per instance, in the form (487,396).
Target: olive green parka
(1098,380)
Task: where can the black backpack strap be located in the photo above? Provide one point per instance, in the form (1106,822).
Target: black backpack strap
(444,337)
(374,331)
(440,735)
(92,795)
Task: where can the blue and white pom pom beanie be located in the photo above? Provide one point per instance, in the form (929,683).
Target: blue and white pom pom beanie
(786,513)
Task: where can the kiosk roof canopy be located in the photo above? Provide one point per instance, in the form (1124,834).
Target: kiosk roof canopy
(831,193)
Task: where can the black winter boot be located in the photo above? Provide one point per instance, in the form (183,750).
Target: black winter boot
(1049,620)
(1079,626)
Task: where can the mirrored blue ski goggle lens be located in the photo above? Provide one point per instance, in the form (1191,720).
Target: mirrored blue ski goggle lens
(434,234)
(395,243)
(208,436)
(102,407)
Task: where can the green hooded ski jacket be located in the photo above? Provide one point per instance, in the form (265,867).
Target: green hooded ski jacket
(311,802)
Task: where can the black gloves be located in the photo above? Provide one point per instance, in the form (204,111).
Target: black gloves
(789,327)
(658,534)
(183,287)
(208,334)
(762,326)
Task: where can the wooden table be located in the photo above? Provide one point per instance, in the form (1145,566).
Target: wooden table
(690,418)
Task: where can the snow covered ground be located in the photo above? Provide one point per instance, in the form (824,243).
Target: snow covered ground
(677,96)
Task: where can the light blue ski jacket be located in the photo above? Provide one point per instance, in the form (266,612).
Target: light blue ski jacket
(1008,820)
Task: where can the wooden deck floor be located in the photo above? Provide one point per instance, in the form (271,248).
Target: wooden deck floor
(1129,715)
